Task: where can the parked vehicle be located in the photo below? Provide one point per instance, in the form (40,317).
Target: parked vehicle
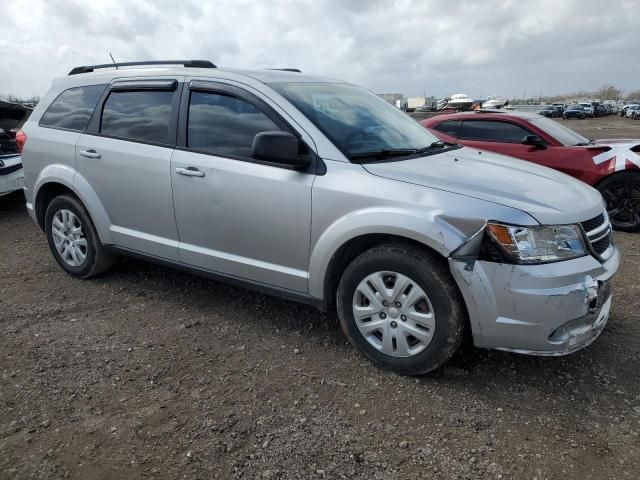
(611,166)
(560,106)
(12,116)
(588,109)
(423,108)
(623,110)
(574,111)
(633,111)
(270,179)
(549,111)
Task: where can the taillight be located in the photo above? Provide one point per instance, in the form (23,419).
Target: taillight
(21,139)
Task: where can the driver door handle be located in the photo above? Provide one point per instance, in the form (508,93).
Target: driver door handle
(189,172)
(90,154)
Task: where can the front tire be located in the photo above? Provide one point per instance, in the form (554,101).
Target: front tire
(73,239)
(400,307)
(621,191)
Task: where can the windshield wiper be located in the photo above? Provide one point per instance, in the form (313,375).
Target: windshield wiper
(396,152)
(384,153)
(433,146)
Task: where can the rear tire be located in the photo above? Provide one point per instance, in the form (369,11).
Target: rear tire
(621,191)
(73,239)
(432,308)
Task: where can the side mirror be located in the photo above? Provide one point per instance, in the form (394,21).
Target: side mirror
(278,147)
(534,141)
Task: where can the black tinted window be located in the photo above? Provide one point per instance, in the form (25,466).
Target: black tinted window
(73,108)
(490,131)
(224,124)
(450,127)
(143,115)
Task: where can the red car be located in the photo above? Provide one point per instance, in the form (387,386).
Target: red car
(611,166)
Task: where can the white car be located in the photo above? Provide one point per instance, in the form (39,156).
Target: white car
(12,116)
(588,109)
(633,111)
(11,174)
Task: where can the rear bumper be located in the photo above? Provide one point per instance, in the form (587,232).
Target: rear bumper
(551,309)
(11,182)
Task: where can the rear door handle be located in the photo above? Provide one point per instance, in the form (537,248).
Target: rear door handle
(90,154)
(189,172)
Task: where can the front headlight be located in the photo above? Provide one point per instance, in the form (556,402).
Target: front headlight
(537,244)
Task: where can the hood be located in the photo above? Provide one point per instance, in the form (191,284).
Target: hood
(547,195)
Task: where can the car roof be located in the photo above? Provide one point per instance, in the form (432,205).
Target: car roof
(264,76)
(484,114)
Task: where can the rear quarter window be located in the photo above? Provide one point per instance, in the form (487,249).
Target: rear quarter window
(73,108)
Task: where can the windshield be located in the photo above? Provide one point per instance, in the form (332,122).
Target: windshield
(564,135)
(357,121)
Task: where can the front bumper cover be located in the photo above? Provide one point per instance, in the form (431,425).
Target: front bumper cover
(12,182)
(551,309)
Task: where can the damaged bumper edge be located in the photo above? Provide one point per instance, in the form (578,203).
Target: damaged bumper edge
(550,309)
(11,182)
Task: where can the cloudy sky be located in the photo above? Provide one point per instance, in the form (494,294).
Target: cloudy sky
(437,47)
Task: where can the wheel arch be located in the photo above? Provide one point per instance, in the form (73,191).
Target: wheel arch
(354,247)
(616,174)
(59,180)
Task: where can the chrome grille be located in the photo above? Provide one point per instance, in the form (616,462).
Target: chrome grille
(598,231)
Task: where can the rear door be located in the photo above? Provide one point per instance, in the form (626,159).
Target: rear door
(125,156)
(236,215)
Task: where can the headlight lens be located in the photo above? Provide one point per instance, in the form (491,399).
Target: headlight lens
(538,244)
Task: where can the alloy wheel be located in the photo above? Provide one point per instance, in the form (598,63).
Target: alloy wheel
(623,202)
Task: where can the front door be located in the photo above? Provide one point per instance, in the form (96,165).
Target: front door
(235,215)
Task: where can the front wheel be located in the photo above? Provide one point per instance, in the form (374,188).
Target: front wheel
(399,305)
(73,239)
(621,191)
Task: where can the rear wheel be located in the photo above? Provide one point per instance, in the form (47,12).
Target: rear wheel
(622,194)
(399,305)
(73,239)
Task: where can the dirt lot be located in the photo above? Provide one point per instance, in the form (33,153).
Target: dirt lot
(151,373)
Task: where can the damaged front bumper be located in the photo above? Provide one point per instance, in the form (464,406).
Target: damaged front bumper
(549,309)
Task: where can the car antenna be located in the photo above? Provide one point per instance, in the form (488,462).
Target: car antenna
(114,62)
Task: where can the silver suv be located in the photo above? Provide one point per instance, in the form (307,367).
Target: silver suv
(321,192)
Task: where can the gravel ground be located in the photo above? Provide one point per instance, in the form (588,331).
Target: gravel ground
(147,372)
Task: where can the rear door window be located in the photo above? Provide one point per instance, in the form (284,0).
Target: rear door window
(450,127)
(143,116)
(73,108)
(492,131)
(224,124)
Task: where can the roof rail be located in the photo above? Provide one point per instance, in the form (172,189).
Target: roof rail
(297,70)
(186,63)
